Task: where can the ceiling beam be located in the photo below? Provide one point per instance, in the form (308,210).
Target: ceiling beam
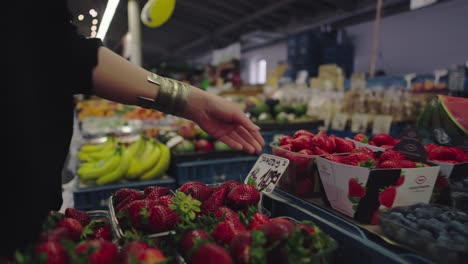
(229,6)
(206,10)
(230,27)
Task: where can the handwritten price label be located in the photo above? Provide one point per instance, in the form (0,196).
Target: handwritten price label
(339,121)
(381,124)
(267,172)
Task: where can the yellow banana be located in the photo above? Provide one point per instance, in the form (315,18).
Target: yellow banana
(144,160)
(161,166)
(93,170)
(127,155)
(107,150)
(87,148)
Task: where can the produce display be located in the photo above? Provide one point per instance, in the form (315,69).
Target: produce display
(382,140)
(220,224)
(438,232)
(272,110)
(446,154)
(110,162)
(197,140)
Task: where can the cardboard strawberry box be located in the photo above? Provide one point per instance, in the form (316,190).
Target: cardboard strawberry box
(359,192)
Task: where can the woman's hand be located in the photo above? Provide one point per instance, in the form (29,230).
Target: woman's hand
(223,120)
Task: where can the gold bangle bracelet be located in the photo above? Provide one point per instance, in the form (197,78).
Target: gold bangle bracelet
(171,98)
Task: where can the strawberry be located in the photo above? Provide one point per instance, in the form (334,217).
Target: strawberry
(79,215)
(134,210)
(132,250)
(225,231)
(225,212)
(460,154)
(243,196)
(215,201)
(97,229)
(165,200)
(302,142)
(391,155)
(319,151)
(372,143)
(57,234)
(188,184)
(278,229)
(387,197)
(359,159)
(121,194)
(154,192)
(258,221)
(375,220)
(288,147)
(150,256)
(307,152)
(355,189)
(211,254)
(383,139)
(98,251)
(73,227)
(230,184)
(199,192)
(343,145)
(397,164)
(335,158)
(128,200)
(247,247)
(285,140)
(53,251)
(157,219)
(361,138)
(320,140)
(330,144)
(189,239)
(303,132)
(364,150)
(400,181)
(429,147)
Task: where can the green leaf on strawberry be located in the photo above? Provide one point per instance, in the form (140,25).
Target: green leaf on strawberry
(185,206)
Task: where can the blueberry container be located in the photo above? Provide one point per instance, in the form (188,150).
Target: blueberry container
(437,232)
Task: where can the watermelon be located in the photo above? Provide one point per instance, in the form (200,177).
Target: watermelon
(456,109)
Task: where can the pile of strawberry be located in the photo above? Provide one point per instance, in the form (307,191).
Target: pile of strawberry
(307,143)
(156,210)
(446,154)
(250,238)
(382,140)
(365,157)
(74,237)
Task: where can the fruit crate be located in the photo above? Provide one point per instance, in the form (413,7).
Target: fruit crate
(95,197)
(355,245)
(213,171)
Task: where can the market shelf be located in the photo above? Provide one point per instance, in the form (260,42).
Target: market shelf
(355,245)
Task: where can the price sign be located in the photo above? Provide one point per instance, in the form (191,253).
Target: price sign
(359,123)
(339,121)
(267,172)
(381,124)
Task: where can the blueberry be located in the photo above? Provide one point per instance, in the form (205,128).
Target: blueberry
(456,226)
(423,222)
(460,239)
(425,233)
(396,215)
(412,217)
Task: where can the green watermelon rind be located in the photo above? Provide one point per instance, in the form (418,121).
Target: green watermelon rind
(454,120)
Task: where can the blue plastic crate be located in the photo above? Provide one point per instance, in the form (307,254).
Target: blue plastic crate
(95,197)
(214,171)
(354,244)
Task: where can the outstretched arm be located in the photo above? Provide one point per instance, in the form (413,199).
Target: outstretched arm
(116,79)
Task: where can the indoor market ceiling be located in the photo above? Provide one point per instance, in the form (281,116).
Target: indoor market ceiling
(199,26)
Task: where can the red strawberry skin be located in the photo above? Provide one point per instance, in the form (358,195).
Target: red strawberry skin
(160,219)
(429,147)
(303,132)
(368,151)
(278,230)
(127,200)
(335,158)
(288,147)
(55,252)
(132,249)
(153,192)
(122,194)
(387,197)
(383,139)
(258,221)
(355,189)
(150,255)
(73,226)
(57,234)
(225,231)
(356,159)
(188,184)
(400,181)
(79,215)
(391,155)
(105,252)
(319,151)
(243,196)
(240,248)
(285,140)
(199,192)
(188,240)
(216,200)
(308,228)
(397,164)
(361,138)
(230,184)
(302,142)
(443,153)
(343,145)
(225,212)
(134,210)
(212,254)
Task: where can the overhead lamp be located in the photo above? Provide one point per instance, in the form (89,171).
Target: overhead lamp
(93,28)
(93,12)
(107,18)
(80,17)
(95,21)
(93,34)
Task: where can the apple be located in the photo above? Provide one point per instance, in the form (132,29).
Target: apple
(204,145)
(188,130)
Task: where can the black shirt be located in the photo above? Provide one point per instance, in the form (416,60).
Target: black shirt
(47,62)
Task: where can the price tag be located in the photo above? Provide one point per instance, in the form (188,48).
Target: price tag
(267,172)
(339,121)
(381,124)
(326,117)
(359,123)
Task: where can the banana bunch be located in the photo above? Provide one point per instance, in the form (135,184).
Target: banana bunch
(144,159)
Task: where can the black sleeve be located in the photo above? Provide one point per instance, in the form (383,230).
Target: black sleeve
(84,58)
